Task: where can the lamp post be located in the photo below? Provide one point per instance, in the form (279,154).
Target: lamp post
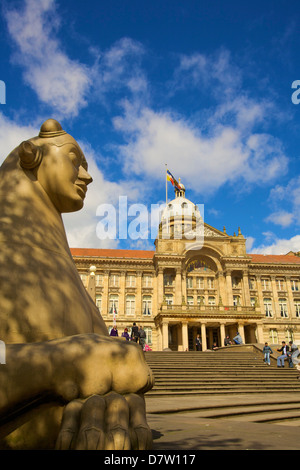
(91,283)
(290,329)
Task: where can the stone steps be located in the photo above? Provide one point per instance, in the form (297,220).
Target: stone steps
(220,372)
(234,386)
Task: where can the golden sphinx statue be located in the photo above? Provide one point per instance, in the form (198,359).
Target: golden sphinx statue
(66,384)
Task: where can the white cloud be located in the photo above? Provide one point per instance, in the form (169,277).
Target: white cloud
(204,162)
(12,134)
(58,80)
(285,201)
(278,246)
(283,218)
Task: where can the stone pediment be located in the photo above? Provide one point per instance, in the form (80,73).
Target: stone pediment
(213,232)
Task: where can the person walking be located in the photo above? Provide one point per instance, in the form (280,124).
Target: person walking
(134,333)
(267,351)
(284,350)
(114,331)
(142,337)
(125,334)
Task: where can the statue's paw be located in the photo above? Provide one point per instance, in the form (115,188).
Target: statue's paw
(117,438)
(109,422)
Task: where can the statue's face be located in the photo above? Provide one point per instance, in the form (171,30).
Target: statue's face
(63,175)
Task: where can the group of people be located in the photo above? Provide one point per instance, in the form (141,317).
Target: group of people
(138,335)
(227,342)
(289,352)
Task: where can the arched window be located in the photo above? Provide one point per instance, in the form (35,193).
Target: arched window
(268,307)
(283,308)
(113,304)
(147,305)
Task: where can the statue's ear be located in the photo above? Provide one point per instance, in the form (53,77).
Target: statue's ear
(30,155)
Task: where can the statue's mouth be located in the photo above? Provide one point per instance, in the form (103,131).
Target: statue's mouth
(82,189)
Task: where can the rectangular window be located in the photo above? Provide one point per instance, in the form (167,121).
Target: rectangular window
(130,305)
(211,300)
(297,309)
(168,280)
(295,285)
(190,300)
(210,282)
(98,302)
(114,280)
(189,282)
(200,283)
(273,335)
(98,280)
(251,283)
(265,283)
(169,299)
(148,331)
(236,300)
(147,281)
(280,284)
(130,280)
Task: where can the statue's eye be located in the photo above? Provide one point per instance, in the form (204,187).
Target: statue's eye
(76,160)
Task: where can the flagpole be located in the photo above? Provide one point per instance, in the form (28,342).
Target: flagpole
(166,185)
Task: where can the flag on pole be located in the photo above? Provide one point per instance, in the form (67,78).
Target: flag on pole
(171,178)
(115,318)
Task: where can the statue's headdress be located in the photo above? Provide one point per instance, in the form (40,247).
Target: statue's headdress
(30,154)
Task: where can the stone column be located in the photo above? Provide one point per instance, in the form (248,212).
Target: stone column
(203,336)
(122,301)
(259,333)
(229,288)
(165,335)
(246,289)
(138,298)
(290,298)
(183,287)
(275,297)
(178,287)
(105,293)
(222,333)
(160,287)
(241,331)
(260,295)
(185,338)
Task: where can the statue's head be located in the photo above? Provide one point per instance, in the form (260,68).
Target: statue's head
(59,165)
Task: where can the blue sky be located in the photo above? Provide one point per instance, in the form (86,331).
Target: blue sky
(204,86)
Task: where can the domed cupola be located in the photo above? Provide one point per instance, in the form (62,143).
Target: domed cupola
(180,216)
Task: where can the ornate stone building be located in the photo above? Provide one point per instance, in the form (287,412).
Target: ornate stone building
(180,289)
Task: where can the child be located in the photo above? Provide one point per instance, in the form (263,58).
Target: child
(267,351)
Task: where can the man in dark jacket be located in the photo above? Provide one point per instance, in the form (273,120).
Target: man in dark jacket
(284,350)
(134,333)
